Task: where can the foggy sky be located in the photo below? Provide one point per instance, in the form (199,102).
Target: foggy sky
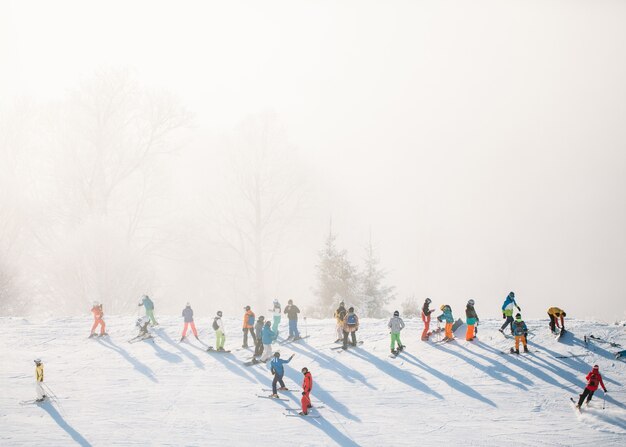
(481,144)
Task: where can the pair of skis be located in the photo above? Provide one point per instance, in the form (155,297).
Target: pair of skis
(350,345)
(293,412)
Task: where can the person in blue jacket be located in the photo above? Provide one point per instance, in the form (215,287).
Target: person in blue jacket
(147,303)
(507,311)
(277,368)
(447,315)
(267,336)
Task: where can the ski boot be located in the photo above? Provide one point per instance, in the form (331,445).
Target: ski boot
(501,331)
(104,334)
(525,348)
(303,414)
(181,339)
(221,349)
(197,338)
(394,352)
(283,388)
(517,351)
(274,396)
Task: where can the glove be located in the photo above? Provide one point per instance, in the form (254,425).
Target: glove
(303,393)
(503,316)
(605,391)
(439,319)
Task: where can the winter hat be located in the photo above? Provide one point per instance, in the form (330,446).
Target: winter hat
(247,307)
(443,307)
(37,361)
(188,305)
(305,370)
(563,314)
(351,309)
(219,313)
(596,368)
(428,300)
(277,354)
(396,313)
(512,294)
(470,302)
(268,323)
(342,304)
(261,318)
(518,316)
(290,302)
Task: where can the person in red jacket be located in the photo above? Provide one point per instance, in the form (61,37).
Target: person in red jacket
(97,312)
(307,385)
(594,379)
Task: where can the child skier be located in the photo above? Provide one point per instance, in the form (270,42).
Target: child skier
(396,325)
(258,333)
(41,395)
(276,317)
(426,319)
(188,316)
(248,326)
(307,386)
(340,314)
(350,326)
(472,320)
(277,368)
(447,315)
(142,324)
(594,379)
(507,311)
(520,331)
(267,338)
(218,327)
(554,313)
(147,303)
(97,312)
(292,312)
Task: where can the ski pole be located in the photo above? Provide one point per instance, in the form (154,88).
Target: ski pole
(604,401)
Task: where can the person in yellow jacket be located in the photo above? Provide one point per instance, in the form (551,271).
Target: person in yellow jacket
(41,395)
(554,313)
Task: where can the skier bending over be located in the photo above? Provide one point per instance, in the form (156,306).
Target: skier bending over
(258,333)
(340,314)
(554,313)
(472,320)
(447,315)
(350,326)
(218,327)
(594,379)
(277,368)
(520,331)
(142,324)
(248,326)
(188,316)
(396,325)
(426,319)
(267,337)
(97,312)
(507,311)
(147,303)
(292,312)
(41,395)
(307,386)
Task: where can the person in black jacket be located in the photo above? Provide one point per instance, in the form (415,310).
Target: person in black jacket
(426,319)
(258,343)
(472,320)
(292,312)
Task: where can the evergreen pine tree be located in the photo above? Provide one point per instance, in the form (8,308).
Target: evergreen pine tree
(373,294)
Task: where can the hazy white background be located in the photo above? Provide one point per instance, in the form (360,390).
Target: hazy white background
(481,144)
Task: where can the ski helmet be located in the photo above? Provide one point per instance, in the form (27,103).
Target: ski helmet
(261,318)
(342,304)
(351,309)
(305,370)
(443,307)
(596,368)
(563,314)
(188,305)
(518,316)
(219,313)
(428,300)
(247,308)
(290,302)
(396,313)
(268,323)
(512,294)
(470,302)
(277,354)
(37,361)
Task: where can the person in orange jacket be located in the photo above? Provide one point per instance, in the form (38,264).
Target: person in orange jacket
(97,312)
(248,326)
(307,386)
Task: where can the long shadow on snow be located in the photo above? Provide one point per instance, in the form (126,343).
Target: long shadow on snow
(232,364)
(569,339)
(331,431)
(393,371)
(54,414)
(495,373)
(319,393)
(142,368)
(454,383)
(327,362)
(167,339)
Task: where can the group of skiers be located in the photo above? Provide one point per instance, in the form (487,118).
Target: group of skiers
(347,325)
(446,315)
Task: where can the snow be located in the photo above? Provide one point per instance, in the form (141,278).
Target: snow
(169,393)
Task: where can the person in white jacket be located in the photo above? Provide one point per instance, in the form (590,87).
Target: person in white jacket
(396,325)
(277,315)
(218,326)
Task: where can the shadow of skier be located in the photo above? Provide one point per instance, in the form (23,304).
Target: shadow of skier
(167,339)
(54,414)
(141,367)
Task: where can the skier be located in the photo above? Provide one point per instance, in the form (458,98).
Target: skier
(472,320)
(267,338)
(292,312)
(396,325)
(426,319)
(248,326)
(41,395)
(97,312)
(350,326)
(258,330)
(554,313)
(507,311)
(594,378)
(277,368)
(188,316)
(340,313)
(447,315)
(142,324)
(520,331)
(218,327)
(149,306)
(277,316)
(307,386)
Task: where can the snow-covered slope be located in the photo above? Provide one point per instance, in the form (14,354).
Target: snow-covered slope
(165,393)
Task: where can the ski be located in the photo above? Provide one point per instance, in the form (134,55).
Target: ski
(397,352)
(286,342)
(359,343)
(215,351)
(279,390)
(137,339)
(291,415)
(33,401)
(273,398)
(255,362)
(300,409)
(575,405)
(601,340)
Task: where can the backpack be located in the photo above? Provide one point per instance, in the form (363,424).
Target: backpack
(251,319)
(352,320)
(215,325)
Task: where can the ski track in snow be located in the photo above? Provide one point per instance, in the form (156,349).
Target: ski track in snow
(162,392)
